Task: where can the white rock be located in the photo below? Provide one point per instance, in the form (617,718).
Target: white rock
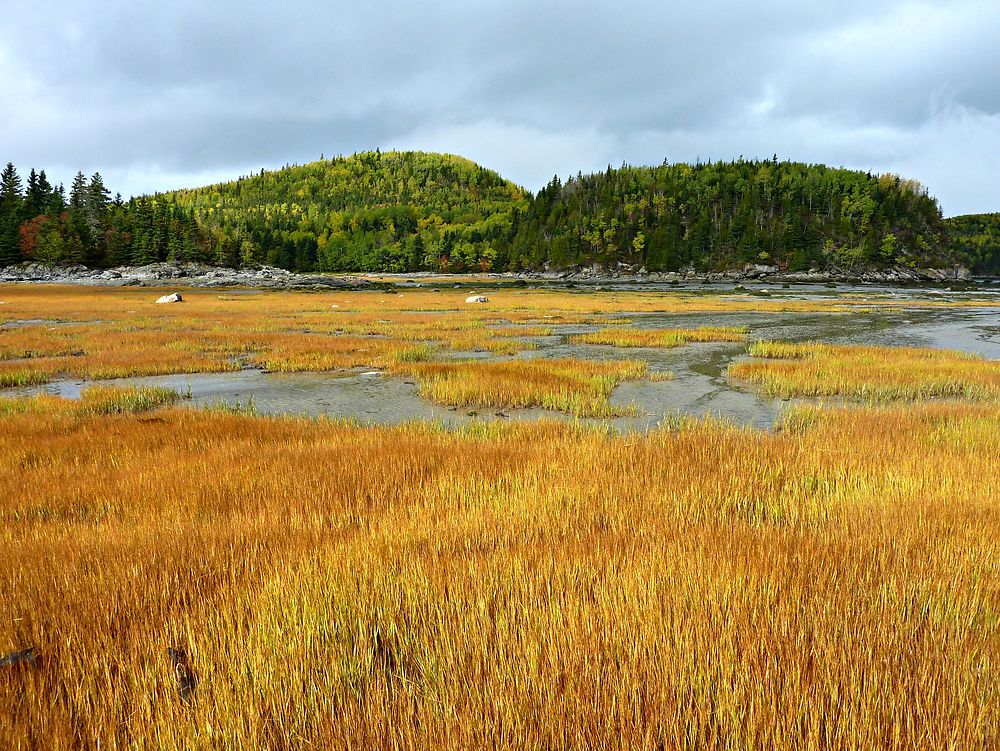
(476,298)
(175,297)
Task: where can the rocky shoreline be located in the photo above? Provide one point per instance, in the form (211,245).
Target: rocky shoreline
(270,277)
(750,272)
(179,274)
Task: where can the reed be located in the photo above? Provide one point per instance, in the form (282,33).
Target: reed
(831,586)
(661,337)
(104,400)
(111,333)
(578,387)
(211,579)
(869,373)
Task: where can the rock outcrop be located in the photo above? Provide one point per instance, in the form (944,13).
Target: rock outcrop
(897,275)
(178,274)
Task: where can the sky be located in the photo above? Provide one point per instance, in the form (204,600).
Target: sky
(158,95)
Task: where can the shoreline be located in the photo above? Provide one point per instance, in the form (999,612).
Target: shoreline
(270,277)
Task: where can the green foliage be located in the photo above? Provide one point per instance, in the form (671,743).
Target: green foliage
(413,211)
(416,353)
(398,211)
(92,229)
(977,238)
(10,206)
(723,215)
(109,400)
(236,407)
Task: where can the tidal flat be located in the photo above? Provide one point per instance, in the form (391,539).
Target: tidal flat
(573,518)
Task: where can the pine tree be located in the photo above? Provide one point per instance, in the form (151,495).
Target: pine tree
(52,203)
(10,215)
(78,192)
(79,220)
(98,196)
(58,199)
(10,185)
(34,198)
(96,202)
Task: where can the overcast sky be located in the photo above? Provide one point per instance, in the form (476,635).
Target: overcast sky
(160,95)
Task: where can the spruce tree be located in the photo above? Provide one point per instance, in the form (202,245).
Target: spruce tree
(78,192)
(10,185)
(10,214)
(79,220)
(34,197)
(52,204)
(97,200)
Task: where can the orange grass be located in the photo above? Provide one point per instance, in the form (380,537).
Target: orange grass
(830,586)
(121,332)
(661,337)
(118,333)
(868,373)
(578,387)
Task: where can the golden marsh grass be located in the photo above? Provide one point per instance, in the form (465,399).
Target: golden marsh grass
(867,373)
(622,337)
(833,585)
(830,585)
(108,333)
(578,387)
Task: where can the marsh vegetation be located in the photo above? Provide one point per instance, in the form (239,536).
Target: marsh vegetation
(831,583)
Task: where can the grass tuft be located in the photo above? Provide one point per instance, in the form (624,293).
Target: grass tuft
(109,400)
(874,374)
(577,387)
(661,337)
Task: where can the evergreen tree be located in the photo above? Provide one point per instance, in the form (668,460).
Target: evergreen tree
(78,193)
(10,215)
(35,197)
(79,219)
(412,211)
(10,186)
(98,197)
(96,201)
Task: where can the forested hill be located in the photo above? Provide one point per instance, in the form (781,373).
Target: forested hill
(412,211)
(724,215)
(407,211)
(397,211)
(976,237)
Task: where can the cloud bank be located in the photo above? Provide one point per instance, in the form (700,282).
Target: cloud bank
(158,95)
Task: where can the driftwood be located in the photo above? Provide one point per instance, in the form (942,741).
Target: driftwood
(183,673)
(23,657)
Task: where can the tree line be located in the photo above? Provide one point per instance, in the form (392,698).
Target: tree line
(726,214)
(414,211)
(398,211)
(976,237)
(39,222)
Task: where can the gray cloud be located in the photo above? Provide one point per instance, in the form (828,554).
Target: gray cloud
(159,95)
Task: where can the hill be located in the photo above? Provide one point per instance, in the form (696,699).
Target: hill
(976,237)
(724,215)
(410,211)
(397,211)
